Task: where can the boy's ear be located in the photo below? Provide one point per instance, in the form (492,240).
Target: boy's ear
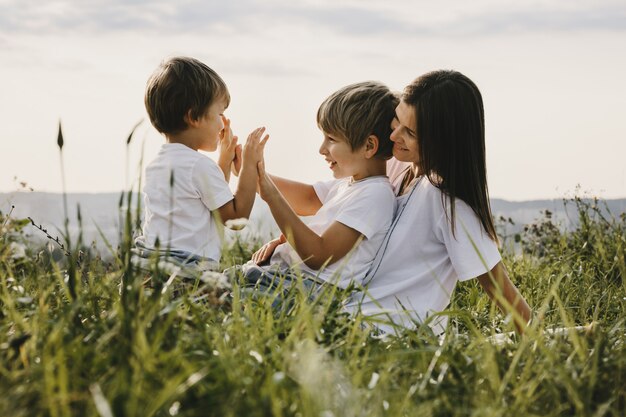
(188,118)
(371,146)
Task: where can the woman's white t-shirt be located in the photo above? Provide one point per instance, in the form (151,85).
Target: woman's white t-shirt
(366,206)
(420,261)
(182,188)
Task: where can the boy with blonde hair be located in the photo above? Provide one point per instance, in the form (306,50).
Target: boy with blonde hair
(349,215)
(186,194)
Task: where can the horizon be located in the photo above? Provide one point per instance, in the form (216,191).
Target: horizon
(101,214)
(548,71)
(118,192)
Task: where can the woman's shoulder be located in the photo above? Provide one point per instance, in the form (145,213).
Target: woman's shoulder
(436,198)
(427,190)
(439,201)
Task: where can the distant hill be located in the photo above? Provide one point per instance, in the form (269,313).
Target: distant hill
(103,210)
(526,212)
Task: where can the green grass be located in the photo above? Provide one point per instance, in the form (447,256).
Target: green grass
(111,346)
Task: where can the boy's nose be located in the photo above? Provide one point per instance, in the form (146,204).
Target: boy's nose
(322,150)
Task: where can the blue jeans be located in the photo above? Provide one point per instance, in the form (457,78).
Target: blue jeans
(189,265)
(273,282)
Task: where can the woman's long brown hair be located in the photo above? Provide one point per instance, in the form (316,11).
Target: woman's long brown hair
(451,140)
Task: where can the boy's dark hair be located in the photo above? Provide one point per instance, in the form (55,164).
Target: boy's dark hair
(357,111)
(177,86)
(451,139)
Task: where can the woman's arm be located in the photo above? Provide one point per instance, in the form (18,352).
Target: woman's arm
(500,289)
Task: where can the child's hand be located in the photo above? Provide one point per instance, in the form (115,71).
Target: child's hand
(253,150)
(227,144)
(236,166)
(263,255)
(266,187)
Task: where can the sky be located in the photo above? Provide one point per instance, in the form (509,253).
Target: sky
(551,74)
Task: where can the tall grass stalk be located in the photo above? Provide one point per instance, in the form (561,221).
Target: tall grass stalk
(71,267)
(127,153)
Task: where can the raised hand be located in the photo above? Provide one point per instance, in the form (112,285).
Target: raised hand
(243,200)
(265,252)
(227,146)
(236,166)
(253,149)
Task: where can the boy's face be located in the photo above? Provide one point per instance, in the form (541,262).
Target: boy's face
(211,124)
(404,136)
(342,160)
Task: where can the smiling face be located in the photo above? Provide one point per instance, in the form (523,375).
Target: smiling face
(342,160)
(211,124)
(404,135)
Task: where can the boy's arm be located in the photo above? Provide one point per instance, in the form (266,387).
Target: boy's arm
(500,289)
(315,250)
(301,197)
(241,204)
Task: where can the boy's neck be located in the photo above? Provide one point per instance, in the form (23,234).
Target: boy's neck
(373,168)
(184,138)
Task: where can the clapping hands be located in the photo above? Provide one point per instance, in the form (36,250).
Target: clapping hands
(233,155)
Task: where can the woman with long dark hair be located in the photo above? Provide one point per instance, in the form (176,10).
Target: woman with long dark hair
(443,230)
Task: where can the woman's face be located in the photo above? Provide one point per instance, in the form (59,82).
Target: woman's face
(404,135)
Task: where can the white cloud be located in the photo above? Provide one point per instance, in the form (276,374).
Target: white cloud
(357,18)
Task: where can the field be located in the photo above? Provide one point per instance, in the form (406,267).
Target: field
(80,335)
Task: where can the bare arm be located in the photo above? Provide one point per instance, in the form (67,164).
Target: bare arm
(501,290)
(301,197)
(241,204)
(315,250)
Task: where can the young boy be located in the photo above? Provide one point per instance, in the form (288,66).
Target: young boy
(186,194)
(351,215)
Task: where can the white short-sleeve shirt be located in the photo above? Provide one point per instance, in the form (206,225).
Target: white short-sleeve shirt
(421,261)
(182,188)
(366,206)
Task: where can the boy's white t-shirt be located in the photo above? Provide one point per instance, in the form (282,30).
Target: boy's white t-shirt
(420,263)
(366,206)
(180,214)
